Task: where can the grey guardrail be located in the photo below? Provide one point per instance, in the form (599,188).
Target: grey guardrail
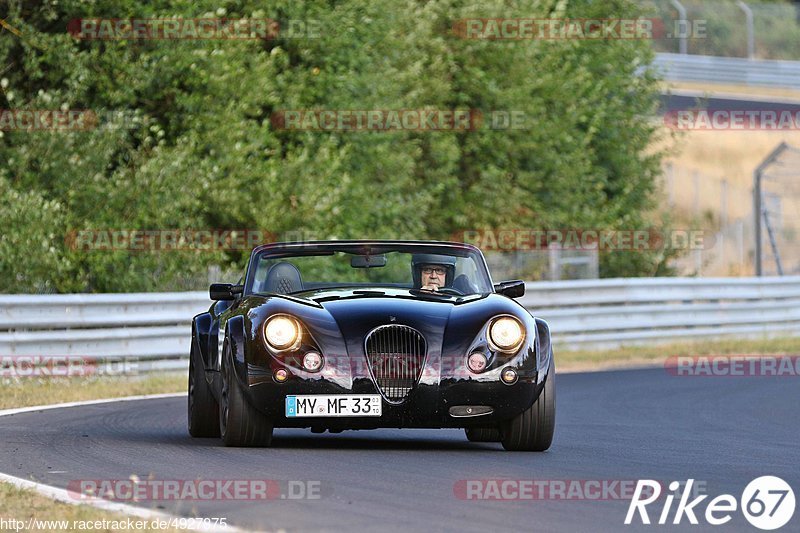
(154,328)
(613,312)
(728,70)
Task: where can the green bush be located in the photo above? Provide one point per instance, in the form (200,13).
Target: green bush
(196,148)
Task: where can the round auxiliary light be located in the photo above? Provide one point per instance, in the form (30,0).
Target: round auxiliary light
(312,361)
(509,376)
(477,362)
(506,333)
(281,332)
(281,375)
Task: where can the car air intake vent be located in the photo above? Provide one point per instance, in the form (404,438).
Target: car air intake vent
(396,356)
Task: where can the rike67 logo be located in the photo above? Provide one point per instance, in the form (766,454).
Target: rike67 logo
(767,503)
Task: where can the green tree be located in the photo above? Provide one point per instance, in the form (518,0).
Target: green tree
(194,146)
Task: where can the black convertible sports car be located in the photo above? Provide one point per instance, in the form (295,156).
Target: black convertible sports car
(337,335)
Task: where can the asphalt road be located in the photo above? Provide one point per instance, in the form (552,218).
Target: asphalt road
(697,100)
(623,425)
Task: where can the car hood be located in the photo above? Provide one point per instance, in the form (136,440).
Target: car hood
(339,320)
(358,311)
(446,321)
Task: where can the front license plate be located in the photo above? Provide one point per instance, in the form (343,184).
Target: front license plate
(333,405)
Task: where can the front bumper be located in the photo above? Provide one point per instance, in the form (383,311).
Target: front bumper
(428,405)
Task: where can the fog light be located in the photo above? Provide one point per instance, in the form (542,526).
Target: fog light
(312,361)
(477,362)
(281,375)
(509,376)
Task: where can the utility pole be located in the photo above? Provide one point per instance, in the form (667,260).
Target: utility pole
(758,208)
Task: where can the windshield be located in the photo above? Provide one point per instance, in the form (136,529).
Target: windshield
(455,271)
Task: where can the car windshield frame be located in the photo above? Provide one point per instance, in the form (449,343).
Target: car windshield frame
(321,248)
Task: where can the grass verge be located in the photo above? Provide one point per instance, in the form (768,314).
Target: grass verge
(588,360)
(24,505)
(26,510)
(733,89)
(23,392)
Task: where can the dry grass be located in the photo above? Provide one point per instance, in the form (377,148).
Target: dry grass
(40,391)
(717,155)
(733,89)
(713,156)
(706,170)
(732,155)
(21,504)
(588,360)
(24,505)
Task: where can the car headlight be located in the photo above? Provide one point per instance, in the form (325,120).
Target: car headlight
(281,332)
(506,333)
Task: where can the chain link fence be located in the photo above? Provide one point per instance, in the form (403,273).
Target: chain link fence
(727,28)
(553,264)
(777,180)
(725,210)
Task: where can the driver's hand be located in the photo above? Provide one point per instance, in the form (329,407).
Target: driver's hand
(432,288)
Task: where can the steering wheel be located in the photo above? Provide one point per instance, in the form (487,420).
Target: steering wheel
(450,290)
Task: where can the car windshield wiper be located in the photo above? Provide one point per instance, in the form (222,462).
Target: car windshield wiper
(360,292)
(328,298)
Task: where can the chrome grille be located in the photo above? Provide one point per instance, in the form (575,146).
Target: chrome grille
(396,355)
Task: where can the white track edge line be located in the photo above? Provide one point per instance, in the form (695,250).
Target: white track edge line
(62,495)
(18,410)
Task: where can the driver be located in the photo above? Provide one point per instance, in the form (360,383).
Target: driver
(432,272)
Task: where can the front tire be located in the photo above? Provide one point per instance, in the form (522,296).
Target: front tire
(203,408)
(240,424)
(533,429)
(483,434)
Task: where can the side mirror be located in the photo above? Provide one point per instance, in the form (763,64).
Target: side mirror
(513,289)
(225,291)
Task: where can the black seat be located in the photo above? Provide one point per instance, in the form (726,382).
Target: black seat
(283,278)
(462,284)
